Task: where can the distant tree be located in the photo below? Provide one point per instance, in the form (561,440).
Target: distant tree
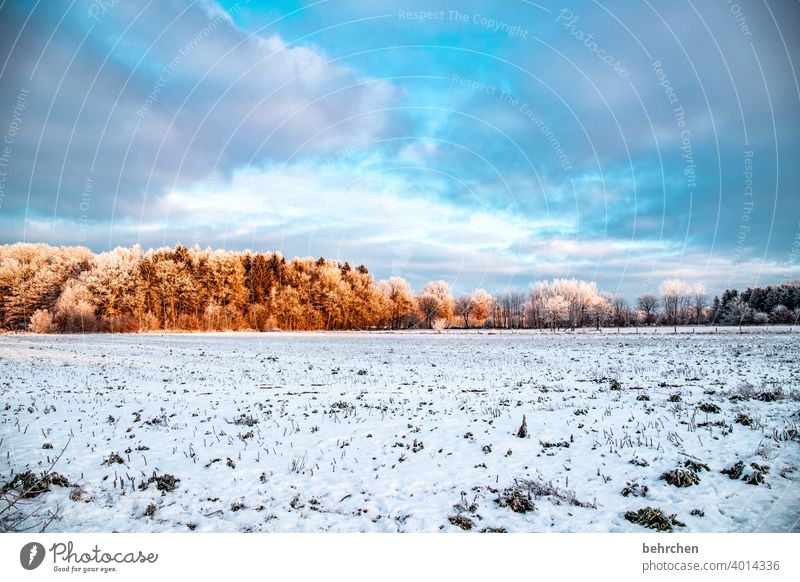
(737,308)
(738,312)
(400,299)
(442,292)
(648,305)
(365,306)
(781,314)
(699,301)
(713,314)
(556,309)
(117,288)
(329,295)
(514,301)
(259,318)
(193,288)
(74,311)
(32,277)
(482,305)
(726,300)
(674,294)
(538,293)
(463,307)
(430,308)
(600,306)
(620,311)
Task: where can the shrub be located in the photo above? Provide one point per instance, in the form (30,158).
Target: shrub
(734,471)
(165,483)
(461,521)
(770,396)
(539,488)
(634,490)
(709,407)
(654,518)
(74,310)
(29,486)
(695,466)
(515,500)
(752,474)
(113,459)
(681,477)
(41,322)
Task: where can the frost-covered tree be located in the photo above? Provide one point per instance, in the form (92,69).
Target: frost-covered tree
(760,318)
(74,311)
(193,288)
(482,305)
(781,314)
(738,312)
(365,306)
(584,303)
(116,287)
(399,298)
(32,277)
(556,309)
(227,280)
(441,290)
(329,296)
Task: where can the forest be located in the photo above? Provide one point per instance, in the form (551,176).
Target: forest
(71,289)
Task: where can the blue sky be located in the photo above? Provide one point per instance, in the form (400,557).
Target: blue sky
(487,144)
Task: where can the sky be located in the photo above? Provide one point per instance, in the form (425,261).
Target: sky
(488,144)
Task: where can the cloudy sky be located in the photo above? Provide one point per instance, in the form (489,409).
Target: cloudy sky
(488,144)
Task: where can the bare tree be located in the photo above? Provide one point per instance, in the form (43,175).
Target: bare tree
(699,301)
(620,311)
(463,307)
(675,294)
(601,307)
(430,308)
(648,305)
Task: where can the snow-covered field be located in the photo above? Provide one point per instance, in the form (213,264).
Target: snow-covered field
(404,431)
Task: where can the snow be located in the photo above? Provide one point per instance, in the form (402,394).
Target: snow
(386,432)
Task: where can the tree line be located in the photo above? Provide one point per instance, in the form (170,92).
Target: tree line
(70,289)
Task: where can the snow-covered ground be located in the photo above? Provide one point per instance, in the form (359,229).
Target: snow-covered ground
(404,431)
